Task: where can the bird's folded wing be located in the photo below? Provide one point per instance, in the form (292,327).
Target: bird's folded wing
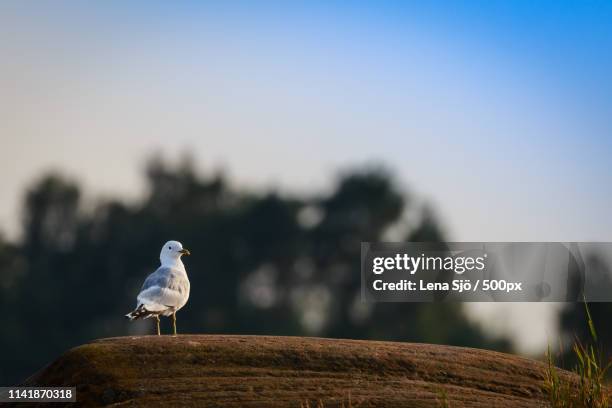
(164,287)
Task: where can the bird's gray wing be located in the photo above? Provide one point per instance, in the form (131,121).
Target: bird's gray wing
(166,287)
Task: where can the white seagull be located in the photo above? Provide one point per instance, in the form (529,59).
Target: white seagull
(166,290)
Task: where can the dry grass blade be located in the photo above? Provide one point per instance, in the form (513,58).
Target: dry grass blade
(590,391)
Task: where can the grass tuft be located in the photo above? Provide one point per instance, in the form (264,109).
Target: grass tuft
(348,403)
(590,391)
(443,399)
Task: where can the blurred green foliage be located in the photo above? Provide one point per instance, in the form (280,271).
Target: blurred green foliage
(262,263)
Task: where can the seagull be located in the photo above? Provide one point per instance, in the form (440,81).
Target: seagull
(166,290)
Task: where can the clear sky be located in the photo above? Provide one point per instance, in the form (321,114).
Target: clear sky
(496,112)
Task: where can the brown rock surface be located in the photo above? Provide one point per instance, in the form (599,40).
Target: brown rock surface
(254,371)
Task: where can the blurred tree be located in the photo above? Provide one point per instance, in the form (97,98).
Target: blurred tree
(262,263)
(50,217)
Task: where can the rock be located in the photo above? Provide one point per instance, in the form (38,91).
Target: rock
(259,371)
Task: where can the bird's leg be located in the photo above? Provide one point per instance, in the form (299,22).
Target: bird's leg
(157,319)
(174,322)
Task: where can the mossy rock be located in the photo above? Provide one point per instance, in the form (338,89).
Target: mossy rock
(260,371)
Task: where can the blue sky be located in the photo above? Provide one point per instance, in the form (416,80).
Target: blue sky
(497,113)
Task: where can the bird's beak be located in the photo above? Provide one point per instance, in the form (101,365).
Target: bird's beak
(185,252)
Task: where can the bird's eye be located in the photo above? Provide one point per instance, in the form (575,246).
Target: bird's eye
(169,247)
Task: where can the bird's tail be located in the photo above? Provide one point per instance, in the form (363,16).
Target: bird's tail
(140,312)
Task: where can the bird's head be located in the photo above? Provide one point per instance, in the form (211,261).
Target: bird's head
(172,250)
